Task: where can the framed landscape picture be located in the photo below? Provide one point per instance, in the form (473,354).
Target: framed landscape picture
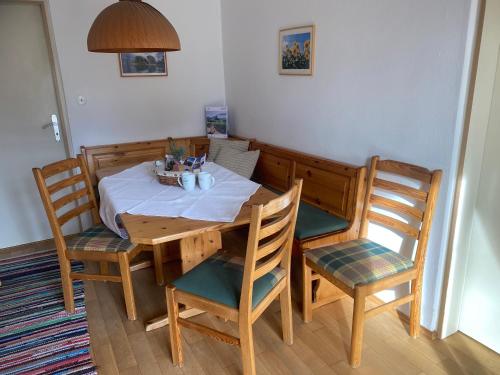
(296,50)
(143,64)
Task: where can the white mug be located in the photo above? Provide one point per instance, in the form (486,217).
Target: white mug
(205,180)
(187,181)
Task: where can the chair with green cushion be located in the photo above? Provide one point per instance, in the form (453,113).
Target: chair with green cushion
(362,267)
(241,289)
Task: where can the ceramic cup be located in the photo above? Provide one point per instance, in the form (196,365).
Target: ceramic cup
(187,181)
(205,180)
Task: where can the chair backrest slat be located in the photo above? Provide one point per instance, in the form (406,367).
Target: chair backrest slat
(274,244)
(59,167)
(63,219)
(279,204)
(274,222)
(70,181)
(275,225)
(77,169)
(393,224)
(268,265)
(386,203)
(70,198)
(399,206)
(400,189)
(403,169)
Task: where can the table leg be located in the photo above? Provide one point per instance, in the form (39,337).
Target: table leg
(193,251)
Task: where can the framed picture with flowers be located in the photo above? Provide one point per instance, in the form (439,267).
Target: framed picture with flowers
(296,50)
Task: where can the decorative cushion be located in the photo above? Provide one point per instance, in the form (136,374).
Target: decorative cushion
(359,261)
(219,279)
(242,163)
(216,145)
(313,221)
(99,238)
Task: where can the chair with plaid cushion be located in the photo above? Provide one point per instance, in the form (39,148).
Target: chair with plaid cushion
(241,289)
(361,267)
(97,244)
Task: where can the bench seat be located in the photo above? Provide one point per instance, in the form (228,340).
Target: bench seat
(313,222)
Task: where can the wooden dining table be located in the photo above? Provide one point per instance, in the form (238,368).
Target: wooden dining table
(198,239)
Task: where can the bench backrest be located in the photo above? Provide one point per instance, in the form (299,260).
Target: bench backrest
(133,153)
(330,185)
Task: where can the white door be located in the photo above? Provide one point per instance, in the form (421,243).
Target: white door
(480,307)
(27,102)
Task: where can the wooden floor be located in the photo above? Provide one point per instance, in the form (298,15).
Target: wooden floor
(320,347)
(120,346)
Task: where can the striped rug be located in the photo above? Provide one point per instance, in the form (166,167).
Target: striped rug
(36,335)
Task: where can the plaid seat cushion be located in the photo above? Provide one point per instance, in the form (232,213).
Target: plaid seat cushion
(99,238)
(359,261)
(219,279)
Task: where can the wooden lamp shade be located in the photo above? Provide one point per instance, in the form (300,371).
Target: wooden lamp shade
(132,26)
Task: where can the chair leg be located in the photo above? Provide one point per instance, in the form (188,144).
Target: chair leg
(158,259)
(246,343)
(175,332)
(306,291)
(128,290)
(67,284)
(286,313)
(416,290)
(104,267)
(358,322)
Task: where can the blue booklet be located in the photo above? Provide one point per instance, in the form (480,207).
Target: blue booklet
(195,163)
(216,121)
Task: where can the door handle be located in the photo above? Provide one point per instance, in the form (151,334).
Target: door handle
(54,123)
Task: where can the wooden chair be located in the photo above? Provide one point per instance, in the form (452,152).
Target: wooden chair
(362,267)
(240,289)
(97,244)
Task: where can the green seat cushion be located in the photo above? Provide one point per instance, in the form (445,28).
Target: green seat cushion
(358,262)
(312,222)
(219,279)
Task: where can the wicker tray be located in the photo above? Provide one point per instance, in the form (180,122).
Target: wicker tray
(168,177)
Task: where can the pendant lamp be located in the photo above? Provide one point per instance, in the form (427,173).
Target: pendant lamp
(132,26)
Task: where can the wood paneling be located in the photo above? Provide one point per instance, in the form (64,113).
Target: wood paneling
(326,190)
(133,153)
(273,171)
(328,184)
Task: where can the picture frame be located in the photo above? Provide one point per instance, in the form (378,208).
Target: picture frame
(297,50)
(143,64)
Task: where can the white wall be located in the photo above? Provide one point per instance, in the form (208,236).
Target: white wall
(387,82)
(129,109)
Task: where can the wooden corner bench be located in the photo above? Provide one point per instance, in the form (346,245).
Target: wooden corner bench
(332,194)
(330,209)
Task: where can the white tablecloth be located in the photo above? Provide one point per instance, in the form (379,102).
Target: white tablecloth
(137,191)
